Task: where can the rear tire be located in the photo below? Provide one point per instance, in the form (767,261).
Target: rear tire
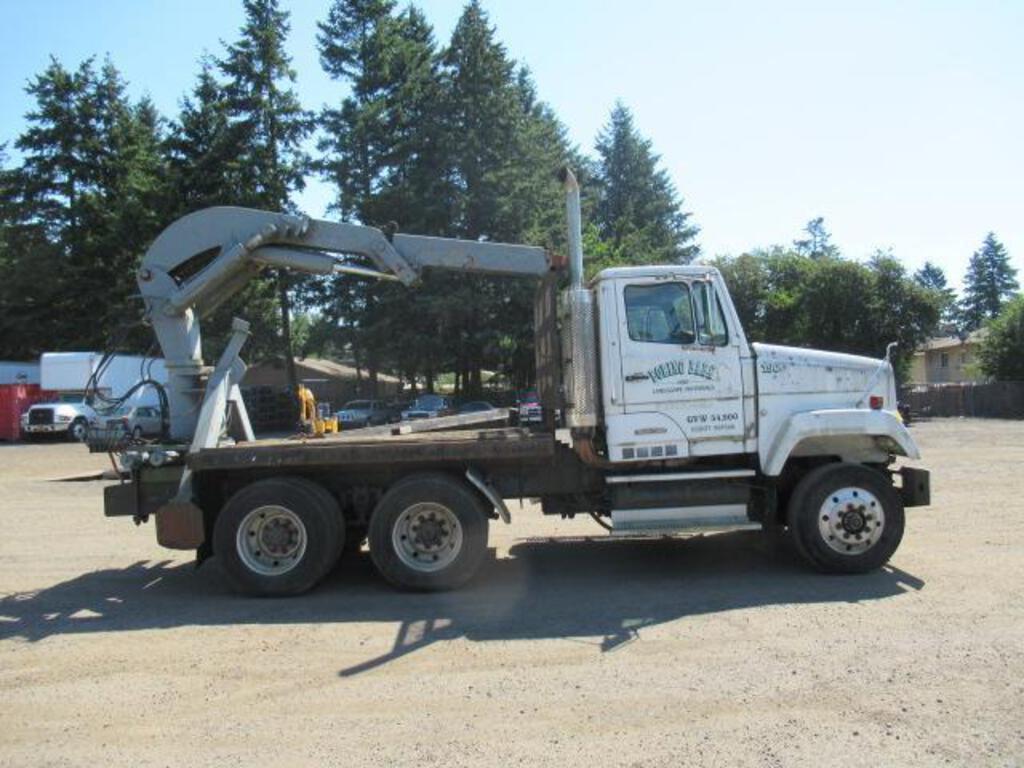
(278,536)
(429,533)
(846,518)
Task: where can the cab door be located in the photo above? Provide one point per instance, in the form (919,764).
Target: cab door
(679,360)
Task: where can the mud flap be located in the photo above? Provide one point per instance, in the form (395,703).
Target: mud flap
(180,526)
(121,500)
(915,487)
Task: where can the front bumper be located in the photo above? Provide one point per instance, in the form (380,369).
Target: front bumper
(41,428)
(915,487)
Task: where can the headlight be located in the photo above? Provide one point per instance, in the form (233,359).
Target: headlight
(63,417)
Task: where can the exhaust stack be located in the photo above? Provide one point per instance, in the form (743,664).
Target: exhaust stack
(579,324)
(574,219)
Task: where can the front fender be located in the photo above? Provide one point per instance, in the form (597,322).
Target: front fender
(847,432)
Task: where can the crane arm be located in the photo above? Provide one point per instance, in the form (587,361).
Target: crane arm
(204,258)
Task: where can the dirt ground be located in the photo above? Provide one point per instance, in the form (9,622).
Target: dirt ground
(706,651)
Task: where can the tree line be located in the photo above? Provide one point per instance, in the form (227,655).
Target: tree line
(808,294)
(447,139)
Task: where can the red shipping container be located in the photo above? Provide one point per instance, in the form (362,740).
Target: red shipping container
(15,399)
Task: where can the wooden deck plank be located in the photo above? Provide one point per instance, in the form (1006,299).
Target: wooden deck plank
(425,448)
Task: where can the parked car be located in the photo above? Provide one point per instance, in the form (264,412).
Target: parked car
(136,420)
(530,410)
(428,406)
(69,416)
(475,406)
(366,413)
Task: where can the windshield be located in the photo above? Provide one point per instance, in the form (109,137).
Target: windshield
(428,401)
(358,405)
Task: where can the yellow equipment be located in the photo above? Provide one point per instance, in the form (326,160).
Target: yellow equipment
(312,422)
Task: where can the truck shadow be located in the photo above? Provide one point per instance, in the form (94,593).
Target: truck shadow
(603,591)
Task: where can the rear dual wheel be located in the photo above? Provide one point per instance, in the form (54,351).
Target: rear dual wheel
(278,536)
(429,533)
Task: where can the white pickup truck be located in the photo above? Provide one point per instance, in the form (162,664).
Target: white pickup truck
(69,416)
(659,418)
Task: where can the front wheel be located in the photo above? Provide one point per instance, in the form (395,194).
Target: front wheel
(429,532)
(278,536)
(77,431)
(846,518)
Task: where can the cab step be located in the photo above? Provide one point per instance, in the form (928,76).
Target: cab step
(713,518)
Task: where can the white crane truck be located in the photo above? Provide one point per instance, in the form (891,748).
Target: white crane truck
(660,418)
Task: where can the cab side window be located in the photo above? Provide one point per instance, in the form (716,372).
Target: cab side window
(661,313)
(711,330)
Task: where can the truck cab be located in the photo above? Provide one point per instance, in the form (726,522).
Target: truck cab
(680,380)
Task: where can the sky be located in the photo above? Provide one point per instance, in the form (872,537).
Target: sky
(902,123)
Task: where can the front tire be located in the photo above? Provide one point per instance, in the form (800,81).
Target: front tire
(77,431)
(429,533)
(846,518)
(278,536)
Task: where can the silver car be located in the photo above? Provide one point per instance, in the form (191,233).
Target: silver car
(428,406)
(366,413)
(136,420)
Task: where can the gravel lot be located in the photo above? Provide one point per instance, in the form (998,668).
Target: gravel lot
(708,651)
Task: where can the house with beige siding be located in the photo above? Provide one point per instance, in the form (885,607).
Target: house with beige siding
(947,360)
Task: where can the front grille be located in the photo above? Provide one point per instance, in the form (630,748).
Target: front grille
(40,416)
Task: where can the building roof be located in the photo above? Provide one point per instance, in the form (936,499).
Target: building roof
(327,368)
(951,342)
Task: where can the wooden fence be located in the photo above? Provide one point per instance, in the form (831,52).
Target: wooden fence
(995,400)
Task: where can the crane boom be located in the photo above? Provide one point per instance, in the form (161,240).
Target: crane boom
(204,258)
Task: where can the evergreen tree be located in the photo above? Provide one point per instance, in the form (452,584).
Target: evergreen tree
(501,142)
(639,211)
(382,155)
(268,124)
(200,155)
(989,283)
(454,144)
(932,278)
(818,243)
(267,128)
(85,206)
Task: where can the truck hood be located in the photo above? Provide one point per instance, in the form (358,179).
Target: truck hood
(845,380)
(67,409)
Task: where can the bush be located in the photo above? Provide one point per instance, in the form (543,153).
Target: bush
(1002,352)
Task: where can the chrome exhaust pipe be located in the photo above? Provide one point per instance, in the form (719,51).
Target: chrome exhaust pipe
(575,221)
(579,324)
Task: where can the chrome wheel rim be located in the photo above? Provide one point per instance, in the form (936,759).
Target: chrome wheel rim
(78,430)
(427,537)
(851,521)
(271,540)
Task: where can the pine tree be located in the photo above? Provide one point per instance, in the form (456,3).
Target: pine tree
(639,211)
(932,278)
(381,153)
(268,124)
(267,127)
(989,283)
(200,155)
(501,142)
(86,207)
(818,243)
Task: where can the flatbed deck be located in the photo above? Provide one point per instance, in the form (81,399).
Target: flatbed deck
(503,444)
